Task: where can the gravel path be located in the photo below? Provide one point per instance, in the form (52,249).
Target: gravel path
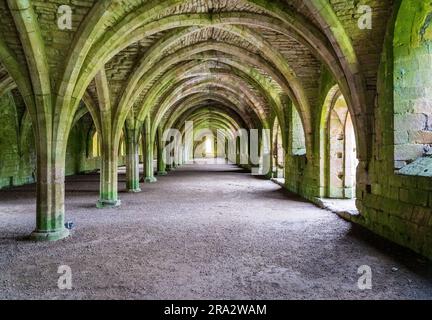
(202,232)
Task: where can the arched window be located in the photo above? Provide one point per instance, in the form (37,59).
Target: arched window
(140,146)
(96,146)
(122,147)
(297,134)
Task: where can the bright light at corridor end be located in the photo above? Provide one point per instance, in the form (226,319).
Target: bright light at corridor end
(208,146)
(241,146)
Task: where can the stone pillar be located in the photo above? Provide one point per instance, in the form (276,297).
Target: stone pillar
(170,166)
(108,197)
(268,154)
(238,151)
(227,160)
(178,151)
(50,217)
(180,161)
(274,153)
(132,160)
(161,165)
(148,157)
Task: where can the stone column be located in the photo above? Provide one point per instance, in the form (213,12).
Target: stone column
(161,165)
(50,216)
(275,153)
(108,197)
(178,155)
(36,89)
(268,154)
(132,160)
(181,156)
(170,166)
(148,156)
(226,150)
(238,151)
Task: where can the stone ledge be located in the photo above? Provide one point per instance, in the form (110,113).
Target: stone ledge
(346,209)
(421,167)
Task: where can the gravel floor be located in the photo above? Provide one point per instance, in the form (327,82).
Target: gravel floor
(202,232)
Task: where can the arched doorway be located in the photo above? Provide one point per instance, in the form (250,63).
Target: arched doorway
(338,149)
(278,152)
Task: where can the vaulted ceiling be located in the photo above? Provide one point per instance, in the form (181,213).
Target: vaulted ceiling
(162,59)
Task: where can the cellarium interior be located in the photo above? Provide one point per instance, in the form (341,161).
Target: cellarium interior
(215,149)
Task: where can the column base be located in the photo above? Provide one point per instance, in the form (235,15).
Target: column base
(269,176)
(137,190)
(162,173)
(150,180)
(101,204)
(49,235)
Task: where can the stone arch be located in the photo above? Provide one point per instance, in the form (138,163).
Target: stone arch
(189,105)
(213,132)
(212,20)
(155,92)
(201,48)
(191,87)
(108,26)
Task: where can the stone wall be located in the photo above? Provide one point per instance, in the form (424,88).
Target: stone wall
(393,205)
(17,162)
(398,207)
(412,89)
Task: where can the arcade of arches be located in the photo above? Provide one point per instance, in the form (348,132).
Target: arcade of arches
(349,109)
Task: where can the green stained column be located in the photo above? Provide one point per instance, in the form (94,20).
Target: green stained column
(108,197)
(148,156)
(132,161)
(161,165)
(39,99)
(50,211)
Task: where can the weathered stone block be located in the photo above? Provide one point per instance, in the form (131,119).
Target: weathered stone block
(414,196)
(409,122)
(420,137)
(406,152)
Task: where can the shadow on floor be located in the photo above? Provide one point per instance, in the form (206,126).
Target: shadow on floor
(406,257)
